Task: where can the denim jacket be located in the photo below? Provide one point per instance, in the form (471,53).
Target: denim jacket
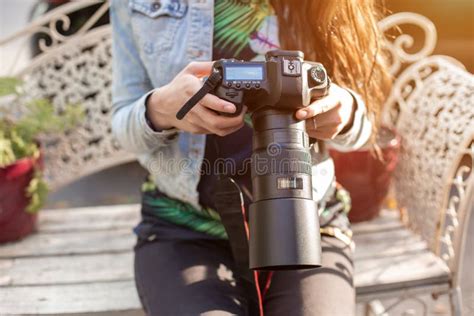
(152,41)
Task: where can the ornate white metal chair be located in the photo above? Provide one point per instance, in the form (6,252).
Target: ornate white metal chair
(432,107)
(80,261)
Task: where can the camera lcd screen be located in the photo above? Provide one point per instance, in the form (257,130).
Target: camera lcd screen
(254,72)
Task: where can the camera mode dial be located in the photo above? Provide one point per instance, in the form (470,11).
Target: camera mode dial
(318,74)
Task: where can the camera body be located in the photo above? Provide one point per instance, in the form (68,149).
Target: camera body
(283,81)
(283,217)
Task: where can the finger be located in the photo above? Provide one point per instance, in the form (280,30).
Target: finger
(330,118)
(192,123)
(324,133)
(241,119)
(199,68)
(217,104)
(217,123)
(317,107)
(193,127)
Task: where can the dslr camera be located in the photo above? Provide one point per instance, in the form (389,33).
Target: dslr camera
(283,217)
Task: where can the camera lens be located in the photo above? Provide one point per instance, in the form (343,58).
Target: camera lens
(280,155)
(284,224)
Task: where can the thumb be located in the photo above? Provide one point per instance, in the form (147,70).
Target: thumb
(199,68)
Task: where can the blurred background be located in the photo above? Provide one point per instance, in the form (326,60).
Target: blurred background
(454,20)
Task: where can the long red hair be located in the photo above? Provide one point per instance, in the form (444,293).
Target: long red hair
(343,35)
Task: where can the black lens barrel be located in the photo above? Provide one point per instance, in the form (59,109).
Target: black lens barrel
(284,223)
(284,235)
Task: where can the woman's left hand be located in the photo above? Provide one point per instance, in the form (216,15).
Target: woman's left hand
(328,116)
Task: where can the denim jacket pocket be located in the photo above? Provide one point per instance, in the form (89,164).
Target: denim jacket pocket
(155,24)
(157,8)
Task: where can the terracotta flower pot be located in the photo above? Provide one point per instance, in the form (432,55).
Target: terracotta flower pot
(15,221)
(366,177)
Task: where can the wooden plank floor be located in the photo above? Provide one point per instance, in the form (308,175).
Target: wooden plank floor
(390,259)
(81,262)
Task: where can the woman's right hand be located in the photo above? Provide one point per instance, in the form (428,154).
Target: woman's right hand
(165,102)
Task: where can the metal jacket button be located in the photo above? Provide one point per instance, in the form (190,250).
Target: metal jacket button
(155,6)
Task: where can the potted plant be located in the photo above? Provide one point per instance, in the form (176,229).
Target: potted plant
(22,188)
(367,176)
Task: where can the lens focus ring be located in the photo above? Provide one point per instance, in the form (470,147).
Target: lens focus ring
(286,162)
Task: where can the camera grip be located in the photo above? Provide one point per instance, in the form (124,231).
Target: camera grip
(232,95)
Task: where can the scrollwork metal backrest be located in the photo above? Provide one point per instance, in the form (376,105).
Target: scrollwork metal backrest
(74,69)
(432,107)
(397,46)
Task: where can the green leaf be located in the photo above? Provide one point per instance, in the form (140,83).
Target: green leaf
(7,156)
(37,192)
(248,120)
(22,146)
(235,21)
(148,185)
(9,85)
(41,118)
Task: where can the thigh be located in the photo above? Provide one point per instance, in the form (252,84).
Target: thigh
(326,291)
(188,277)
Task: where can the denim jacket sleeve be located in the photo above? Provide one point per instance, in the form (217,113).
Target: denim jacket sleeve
(130,88)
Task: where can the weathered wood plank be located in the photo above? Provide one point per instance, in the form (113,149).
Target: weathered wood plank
(387,220)
(386,244)
(105,241)
(67,269)
(415,291)
(89,218)
(110,297)
(396,272)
